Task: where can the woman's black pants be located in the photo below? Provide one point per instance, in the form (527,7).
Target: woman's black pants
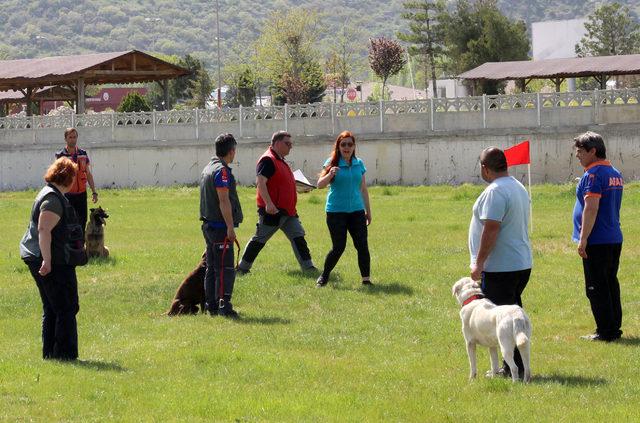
(59,294)
(339,224)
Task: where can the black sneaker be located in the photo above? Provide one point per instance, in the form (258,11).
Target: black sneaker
(367,282)
(311,269)
(228,312)
(240,271)
(321,282)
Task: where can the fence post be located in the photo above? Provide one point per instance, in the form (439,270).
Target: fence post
(484,110)
(286,117)
(197,123)
(73,119)
(596,106)
(381,115)
(153,118)
(333,118)
(113,126)
(240,119)
(539,107)
(432,110)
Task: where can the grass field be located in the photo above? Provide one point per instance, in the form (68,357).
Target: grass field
(392,352)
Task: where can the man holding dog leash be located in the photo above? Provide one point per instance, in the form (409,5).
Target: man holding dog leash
(221,213)
(499,237)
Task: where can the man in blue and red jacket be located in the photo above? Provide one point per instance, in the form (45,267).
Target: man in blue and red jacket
(596,229)
(276,198)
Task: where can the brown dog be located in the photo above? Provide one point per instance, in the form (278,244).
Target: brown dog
(190,294)
(95,233)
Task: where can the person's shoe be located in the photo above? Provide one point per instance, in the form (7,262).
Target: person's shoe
(321,282)
(367,282)
(311,269)
(240,271)
(504,372)
(229,314)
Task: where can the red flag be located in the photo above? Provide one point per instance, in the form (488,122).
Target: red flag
(518,154)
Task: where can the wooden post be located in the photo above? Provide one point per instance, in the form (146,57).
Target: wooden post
(28,99)
(80,100)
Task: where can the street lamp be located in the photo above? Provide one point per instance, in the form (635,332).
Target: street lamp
(218,41)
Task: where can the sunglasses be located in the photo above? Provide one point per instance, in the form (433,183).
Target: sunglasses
(347,144)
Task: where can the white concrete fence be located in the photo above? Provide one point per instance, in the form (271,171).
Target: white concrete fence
(442,114)
(410,142)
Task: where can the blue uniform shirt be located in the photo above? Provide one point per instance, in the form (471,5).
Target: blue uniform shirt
(344,192)
(600,180)
(222,179)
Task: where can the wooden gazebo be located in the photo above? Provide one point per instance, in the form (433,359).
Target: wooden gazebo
(76,72)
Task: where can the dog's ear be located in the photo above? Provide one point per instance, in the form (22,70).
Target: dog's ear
(457,287)
(92,210)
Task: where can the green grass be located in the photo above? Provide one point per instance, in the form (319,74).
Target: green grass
(393,352)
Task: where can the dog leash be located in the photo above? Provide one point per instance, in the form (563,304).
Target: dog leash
(224,251)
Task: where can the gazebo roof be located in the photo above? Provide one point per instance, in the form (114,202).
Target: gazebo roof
(99,68)
(556,68)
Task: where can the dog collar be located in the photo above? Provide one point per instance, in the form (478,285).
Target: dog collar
(472,298)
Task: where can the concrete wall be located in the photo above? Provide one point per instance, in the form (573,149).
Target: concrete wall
(402,157)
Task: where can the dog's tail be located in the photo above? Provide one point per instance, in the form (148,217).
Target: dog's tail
(521,330)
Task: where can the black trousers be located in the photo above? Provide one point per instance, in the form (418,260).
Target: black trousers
(339,224)
(505,288)
(79,204)
(59,294)
(221,273)
(603,289)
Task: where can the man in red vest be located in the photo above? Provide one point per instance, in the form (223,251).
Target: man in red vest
(77,196)
(276,198)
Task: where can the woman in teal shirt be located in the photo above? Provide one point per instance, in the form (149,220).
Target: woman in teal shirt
(347,208)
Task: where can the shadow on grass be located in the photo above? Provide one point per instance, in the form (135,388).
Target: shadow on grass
(101,366)
(304,274)
(377,289)
(262,320)
(569,380)
(633,341)
(102,261)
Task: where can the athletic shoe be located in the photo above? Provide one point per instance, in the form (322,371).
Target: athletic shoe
(228,312)
(241,272)
(321,282)
(367,282)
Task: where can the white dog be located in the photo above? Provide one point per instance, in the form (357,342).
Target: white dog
(487,324)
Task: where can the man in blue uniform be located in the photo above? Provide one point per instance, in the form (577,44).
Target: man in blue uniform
(596,229)
(221,213)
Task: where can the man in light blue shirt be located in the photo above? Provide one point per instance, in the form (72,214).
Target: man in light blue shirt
(499,236)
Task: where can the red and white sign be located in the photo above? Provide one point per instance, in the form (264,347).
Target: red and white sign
(352,94)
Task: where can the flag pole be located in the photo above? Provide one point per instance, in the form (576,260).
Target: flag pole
(530,199)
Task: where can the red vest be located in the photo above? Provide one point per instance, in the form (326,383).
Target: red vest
(281,186)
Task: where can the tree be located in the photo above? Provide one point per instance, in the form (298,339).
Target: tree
(134,102)
(426,36)
(480,33)
(610,32)
(240,80)
(286,50)
(200,89)
(386,58)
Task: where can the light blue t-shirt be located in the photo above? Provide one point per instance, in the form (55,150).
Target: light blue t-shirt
(505,200)
(344,192)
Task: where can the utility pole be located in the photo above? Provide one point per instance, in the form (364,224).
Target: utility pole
(218,39)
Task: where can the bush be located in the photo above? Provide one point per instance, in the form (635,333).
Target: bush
(134,102)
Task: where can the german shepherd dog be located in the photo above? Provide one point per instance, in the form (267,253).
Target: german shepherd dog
(95,233)
(190,293)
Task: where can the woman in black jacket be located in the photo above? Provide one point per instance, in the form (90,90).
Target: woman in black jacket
(44,248)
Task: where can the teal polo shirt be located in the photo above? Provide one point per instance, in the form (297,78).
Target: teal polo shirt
(344,192)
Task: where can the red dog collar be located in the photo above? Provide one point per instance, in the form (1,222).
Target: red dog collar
(473,297)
